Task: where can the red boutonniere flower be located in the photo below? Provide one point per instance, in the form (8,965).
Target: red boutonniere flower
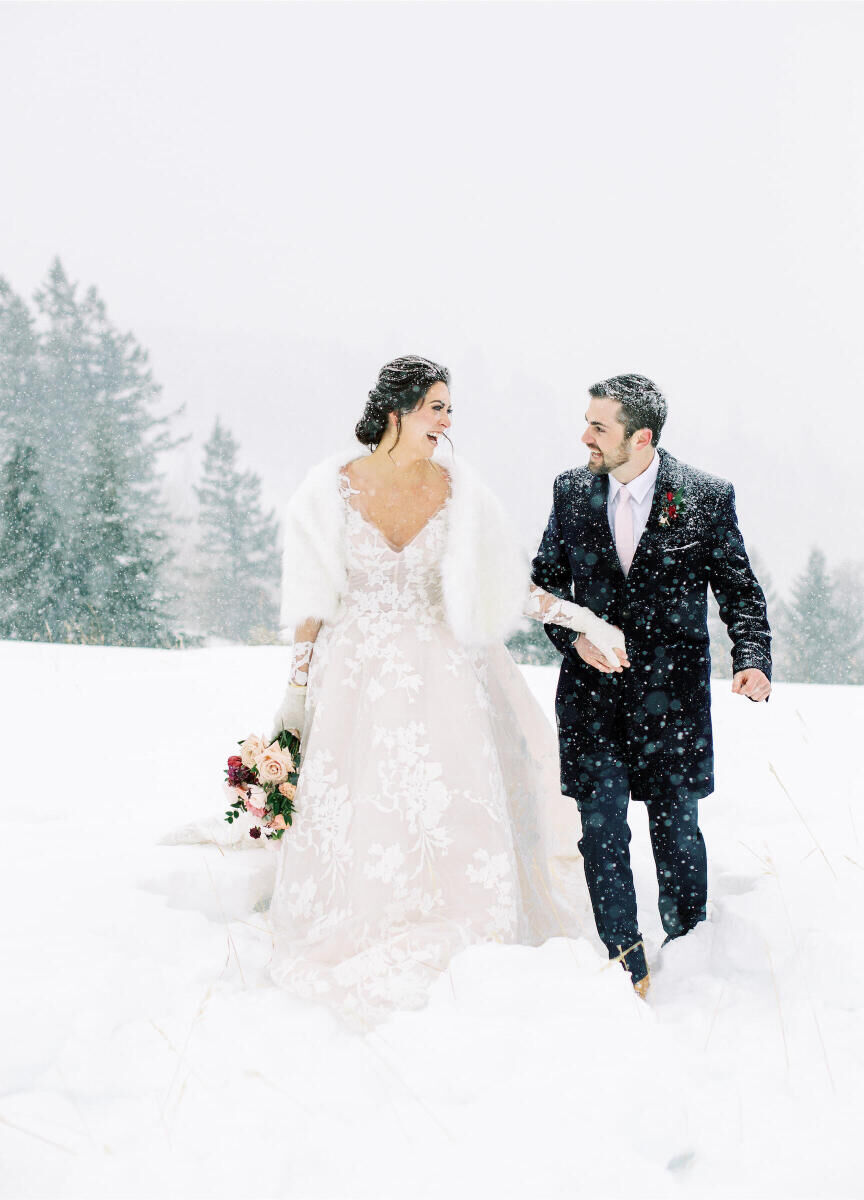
(673,507)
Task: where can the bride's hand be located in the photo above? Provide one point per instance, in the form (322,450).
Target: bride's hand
(595,657)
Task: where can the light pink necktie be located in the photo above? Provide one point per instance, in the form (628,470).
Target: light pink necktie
(624,529)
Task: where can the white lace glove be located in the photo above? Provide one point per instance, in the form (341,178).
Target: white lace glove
(551,610)
(607,638)
(291,713)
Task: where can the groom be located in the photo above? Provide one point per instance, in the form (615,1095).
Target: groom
(638,537)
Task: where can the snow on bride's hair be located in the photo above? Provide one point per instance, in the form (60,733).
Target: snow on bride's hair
(401,386)
(643,405)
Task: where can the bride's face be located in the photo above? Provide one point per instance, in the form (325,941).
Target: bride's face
(422,428)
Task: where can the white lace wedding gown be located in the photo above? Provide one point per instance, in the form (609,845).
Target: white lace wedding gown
(427,771)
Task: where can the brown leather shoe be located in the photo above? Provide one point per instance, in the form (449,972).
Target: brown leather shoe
(642,986)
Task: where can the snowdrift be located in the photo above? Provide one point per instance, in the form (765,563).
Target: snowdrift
(146,1053)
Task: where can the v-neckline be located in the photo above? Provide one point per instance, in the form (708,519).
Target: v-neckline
(398,550)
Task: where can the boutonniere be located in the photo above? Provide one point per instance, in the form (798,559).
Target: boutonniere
(674,505)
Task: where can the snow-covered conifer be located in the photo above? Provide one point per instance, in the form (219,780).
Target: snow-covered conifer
(532,646)
(98,387)
(20,383)
(32,571)
(849,596)
(115,581)
(239,570)
(817,642)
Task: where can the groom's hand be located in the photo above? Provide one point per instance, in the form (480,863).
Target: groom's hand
(589,653)
(753,684)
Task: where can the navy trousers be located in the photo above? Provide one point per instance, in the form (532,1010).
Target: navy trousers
(679,856)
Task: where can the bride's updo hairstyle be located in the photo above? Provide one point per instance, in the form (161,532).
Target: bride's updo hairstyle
(402,385)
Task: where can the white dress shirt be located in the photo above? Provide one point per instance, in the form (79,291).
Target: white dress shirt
(641,491)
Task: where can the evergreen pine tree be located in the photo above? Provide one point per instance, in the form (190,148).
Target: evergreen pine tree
(70,384)
(32,576)
(101,433)
(849,594)
(532,647)
(116,564)
(98,387)
(20,389)
(238,546)
(815,633)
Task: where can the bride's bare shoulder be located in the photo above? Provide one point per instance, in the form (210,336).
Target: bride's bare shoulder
(445,479)
(357,471)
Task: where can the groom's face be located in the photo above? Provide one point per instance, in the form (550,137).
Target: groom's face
(604,436)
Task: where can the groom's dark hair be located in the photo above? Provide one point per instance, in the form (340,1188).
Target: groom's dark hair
(643,405)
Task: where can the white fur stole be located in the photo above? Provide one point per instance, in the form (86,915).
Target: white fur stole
(485,575)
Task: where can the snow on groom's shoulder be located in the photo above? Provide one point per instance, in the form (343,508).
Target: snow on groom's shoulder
(568,481)
(704,481)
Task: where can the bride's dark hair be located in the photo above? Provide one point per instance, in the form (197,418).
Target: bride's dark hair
(401,387)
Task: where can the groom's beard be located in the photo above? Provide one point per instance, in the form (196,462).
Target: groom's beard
(608,462)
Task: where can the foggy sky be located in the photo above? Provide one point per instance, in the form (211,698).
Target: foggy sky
(277,198)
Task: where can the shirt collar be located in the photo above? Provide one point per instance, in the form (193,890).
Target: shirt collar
(641,485)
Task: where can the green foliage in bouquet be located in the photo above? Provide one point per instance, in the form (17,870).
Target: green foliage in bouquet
(264,777)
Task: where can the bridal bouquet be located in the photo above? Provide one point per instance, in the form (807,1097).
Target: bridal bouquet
(262,778)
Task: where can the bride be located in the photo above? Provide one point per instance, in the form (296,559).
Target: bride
(427,763)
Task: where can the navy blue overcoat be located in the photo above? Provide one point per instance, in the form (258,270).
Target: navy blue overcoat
(655,716)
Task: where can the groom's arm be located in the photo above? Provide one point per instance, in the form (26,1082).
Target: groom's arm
(550,570)
(739,596)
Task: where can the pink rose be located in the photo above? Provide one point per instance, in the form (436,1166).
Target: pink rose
(274,765)
(251,748)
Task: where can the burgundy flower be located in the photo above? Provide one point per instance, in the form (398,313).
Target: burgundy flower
(255,832)
(240,776)
(235,761)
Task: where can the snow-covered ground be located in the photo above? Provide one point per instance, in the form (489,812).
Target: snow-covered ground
(145,1052)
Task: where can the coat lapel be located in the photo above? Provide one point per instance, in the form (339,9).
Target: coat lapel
(599,533)
(668,480)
